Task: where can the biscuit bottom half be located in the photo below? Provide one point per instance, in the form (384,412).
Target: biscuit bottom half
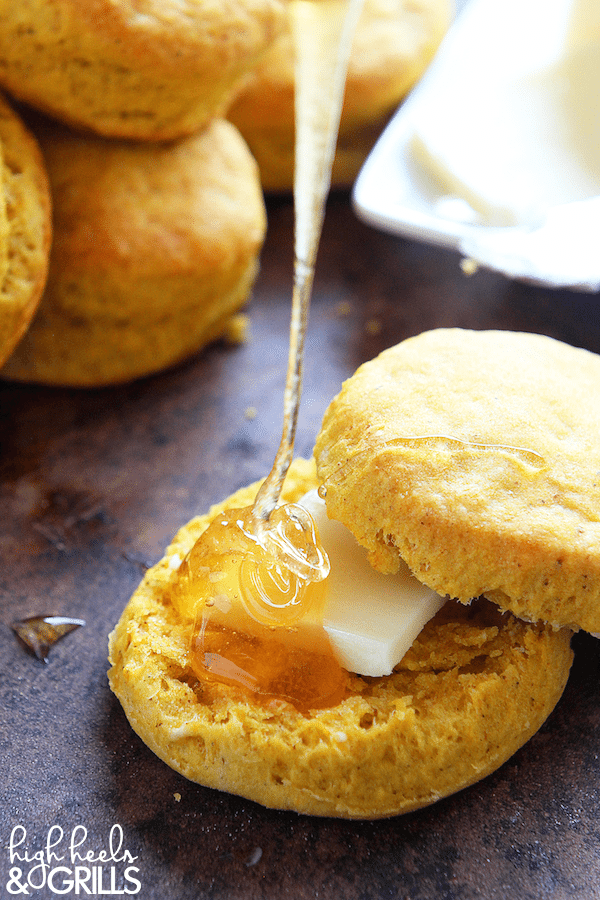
(473,688)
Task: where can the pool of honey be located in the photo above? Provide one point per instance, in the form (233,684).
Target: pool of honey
(257,625)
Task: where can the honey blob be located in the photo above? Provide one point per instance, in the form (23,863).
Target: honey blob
(257,624)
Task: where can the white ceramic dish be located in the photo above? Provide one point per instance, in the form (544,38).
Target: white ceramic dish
(396,192)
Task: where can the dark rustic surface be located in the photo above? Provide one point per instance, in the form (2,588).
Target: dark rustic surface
(92,487)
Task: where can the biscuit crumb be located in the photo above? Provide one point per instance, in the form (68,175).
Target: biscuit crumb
(373,326)
(177,796)
(236,330)
(469,266)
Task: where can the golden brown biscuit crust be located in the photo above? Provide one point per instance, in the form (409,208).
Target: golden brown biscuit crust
(155,248)
(149,69)
(394,42)
(472,689)
(428,429)
(25,228)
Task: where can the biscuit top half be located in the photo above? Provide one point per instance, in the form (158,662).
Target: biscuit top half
(475,457)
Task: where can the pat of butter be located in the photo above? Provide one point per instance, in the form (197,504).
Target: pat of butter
(517,131)
(371,619)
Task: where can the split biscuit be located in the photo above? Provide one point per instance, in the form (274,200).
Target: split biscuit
(473,688)
(25,228)
(156,247)
(149,70)
(394,43)
(475,457)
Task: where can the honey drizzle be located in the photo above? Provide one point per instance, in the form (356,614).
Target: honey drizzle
(255,572)
(530,461)
(322,32)
(522,455)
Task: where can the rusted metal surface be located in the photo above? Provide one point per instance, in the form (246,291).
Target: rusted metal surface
(93,484)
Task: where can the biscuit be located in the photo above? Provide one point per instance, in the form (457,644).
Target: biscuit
(25,228)
(149,70)
(474,456)
(155,247)
(472,689)
(394,43)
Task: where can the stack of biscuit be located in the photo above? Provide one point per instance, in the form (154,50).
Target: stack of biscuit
(158,212)
(158,207)
(155,249)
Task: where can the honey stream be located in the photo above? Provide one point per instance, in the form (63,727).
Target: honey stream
(256,572)
(323,32)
